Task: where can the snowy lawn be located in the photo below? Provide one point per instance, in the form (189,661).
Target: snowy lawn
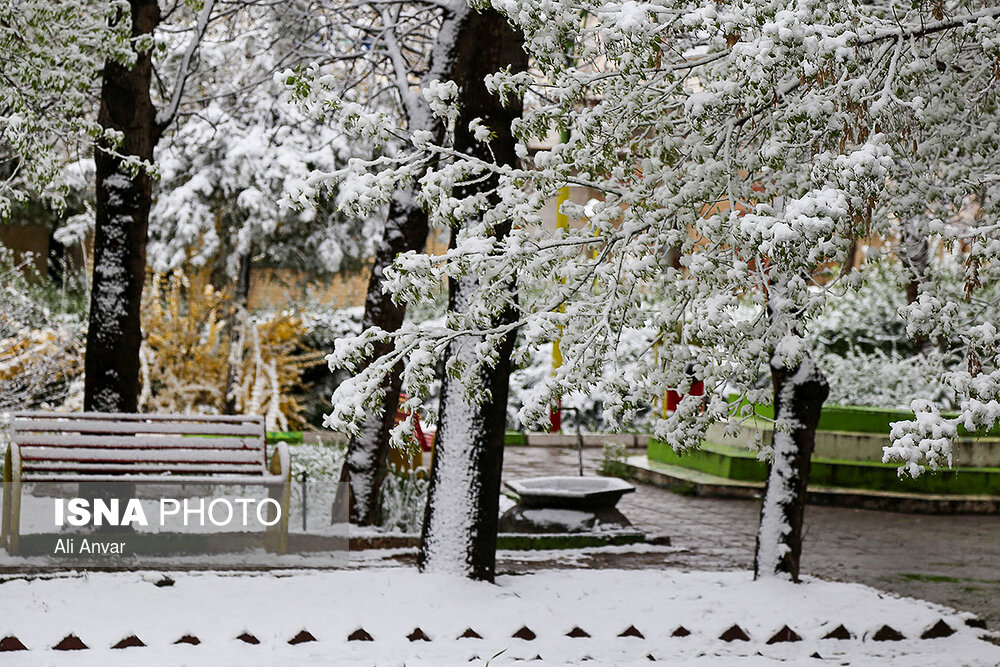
(389,604)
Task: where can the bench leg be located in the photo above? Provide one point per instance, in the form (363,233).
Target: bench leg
(14,532)
(10,537)
(276,536)
(7,492)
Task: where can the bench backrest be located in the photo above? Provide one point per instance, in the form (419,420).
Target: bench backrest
(100,444)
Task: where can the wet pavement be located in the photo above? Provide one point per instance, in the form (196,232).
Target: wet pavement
(953,560)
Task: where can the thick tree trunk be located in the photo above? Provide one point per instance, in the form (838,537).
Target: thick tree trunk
(915,253)
(238,320)
(123,202)
(460,525)
(365,465)
(799,394)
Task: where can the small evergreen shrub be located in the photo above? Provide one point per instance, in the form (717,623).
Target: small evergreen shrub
(613,461)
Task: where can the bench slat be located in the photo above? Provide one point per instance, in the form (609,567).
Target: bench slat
(29,455)
(49,425)
(136,469)
(131,441)
(153,478)
(141,416)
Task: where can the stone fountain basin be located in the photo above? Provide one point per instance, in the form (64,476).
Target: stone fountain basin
(565,492)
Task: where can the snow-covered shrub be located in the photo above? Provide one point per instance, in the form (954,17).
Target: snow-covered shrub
(318,462)
(866,318)
(404,497)
(193,341)
(886,379)
(613,461)
(323,327)
(861,341)
(41,338)
(404,493)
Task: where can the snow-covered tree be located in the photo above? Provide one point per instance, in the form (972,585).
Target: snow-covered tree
(756,142)
(51,55)
(123,200)
(225,166)
(239,148)
(410,49)
(460,528)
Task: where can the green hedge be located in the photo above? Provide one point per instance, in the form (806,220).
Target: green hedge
(861,419)
(515,439)
(291,437)
(742,465)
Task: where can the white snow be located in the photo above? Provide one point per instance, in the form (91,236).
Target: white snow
(559,519)
(568,487)
(103,608)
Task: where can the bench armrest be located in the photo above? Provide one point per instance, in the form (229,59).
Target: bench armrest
(276,539)
(12,463)
(281,461)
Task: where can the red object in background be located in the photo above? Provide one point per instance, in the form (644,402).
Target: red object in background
(424,439)
(555,417)
(673,398)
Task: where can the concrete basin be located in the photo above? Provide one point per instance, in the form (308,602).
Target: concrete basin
(574,493)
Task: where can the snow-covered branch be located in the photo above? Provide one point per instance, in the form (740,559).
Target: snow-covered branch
(169,112)
(729,149)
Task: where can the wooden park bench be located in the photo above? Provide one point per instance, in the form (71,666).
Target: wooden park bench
(142,448)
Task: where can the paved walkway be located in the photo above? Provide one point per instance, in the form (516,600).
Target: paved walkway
(953,560)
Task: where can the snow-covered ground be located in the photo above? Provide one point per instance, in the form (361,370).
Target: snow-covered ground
(390,603)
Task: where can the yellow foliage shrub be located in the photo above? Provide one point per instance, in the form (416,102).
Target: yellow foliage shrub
(36,363)
(198,345)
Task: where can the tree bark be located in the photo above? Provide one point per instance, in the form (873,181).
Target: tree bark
(915,253)
(799,394)
(365,465)
(238,320)
(460,524)
(123,202)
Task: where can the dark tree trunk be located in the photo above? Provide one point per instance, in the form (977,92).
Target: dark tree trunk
(241,297)
(123,202)
(365,465)
(460,524)
(237,328)
(799,394)
(915,253)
